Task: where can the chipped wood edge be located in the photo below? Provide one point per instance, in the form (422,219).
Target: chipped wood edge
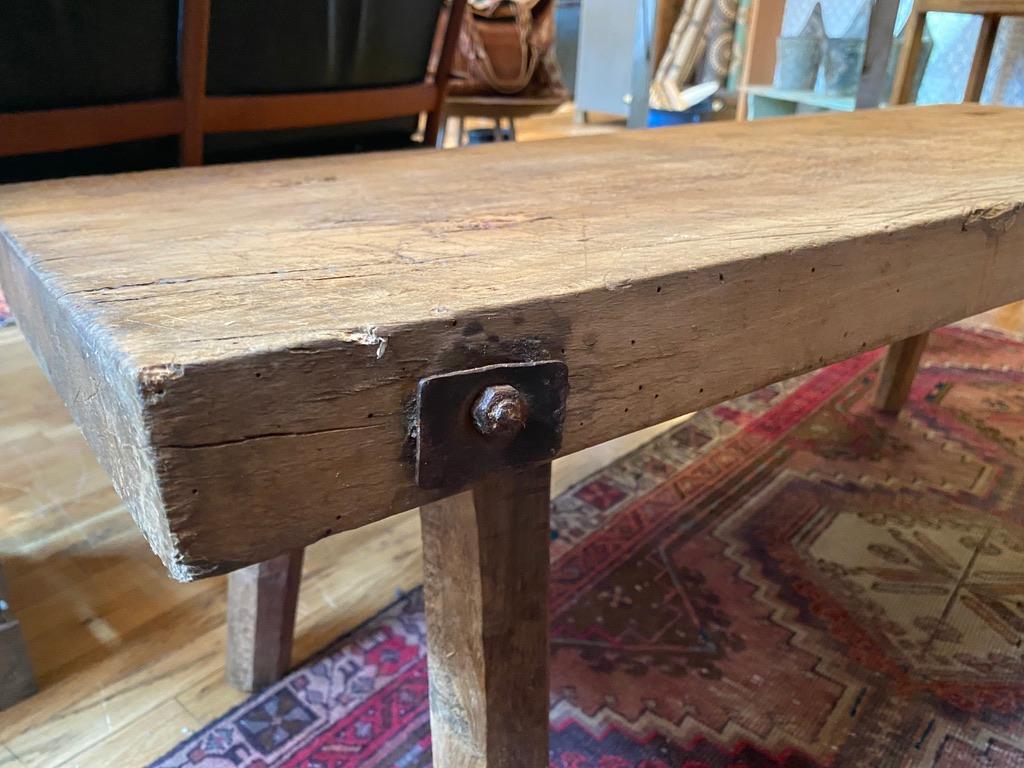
(103,392)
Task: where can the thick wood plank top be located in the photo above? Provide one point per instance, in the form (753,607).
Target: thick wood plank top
(240,344)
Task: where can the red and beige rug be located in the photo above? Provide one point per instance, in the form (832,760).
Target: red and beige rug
(786,580)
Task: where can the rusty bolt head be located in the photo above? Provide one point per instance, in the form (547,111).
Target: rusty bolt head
(500,410)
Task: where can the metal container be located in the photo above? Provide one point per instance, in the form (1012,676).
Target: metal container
(844,59)
(796,63)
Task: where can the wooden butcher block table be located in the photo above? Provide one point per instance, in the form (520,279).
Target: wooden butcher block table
(263,355)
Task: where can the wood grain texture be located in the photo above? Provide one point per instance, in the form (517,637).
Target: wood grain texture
(898,372)
(241,344)
(261,620)
(485,570)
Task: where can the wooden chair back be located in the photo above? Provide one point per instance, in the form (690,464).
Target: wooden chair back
(991,11)
(194,113)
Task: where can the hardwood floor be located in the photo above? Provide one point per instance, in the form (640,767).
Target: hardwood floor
(128,661)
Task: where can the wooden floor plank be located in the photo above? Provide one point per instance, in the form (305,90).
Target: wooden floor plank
(141,741)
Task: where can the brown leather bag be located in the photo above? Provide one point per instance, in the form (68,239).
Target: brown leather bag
(507,48)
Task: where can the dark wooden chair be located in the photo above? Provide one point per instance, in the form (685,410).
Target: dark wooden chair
(193,113)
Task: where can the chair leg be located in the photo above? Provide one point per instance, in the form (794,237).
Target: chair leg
(982,56)
(485,562)
(898,373)
(903,80)
(261,620)
(16,679)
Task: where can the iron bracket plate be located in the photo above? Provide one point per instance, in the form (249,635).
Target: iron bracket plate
(451,452)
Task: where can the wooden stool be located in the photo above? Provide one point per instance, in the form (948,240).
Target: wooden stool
(312,345)
(902,360)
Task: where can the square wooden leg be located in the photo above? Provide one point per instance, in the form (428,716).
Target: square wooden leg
(16,679)
(261,620)
(898,373)
(485,561)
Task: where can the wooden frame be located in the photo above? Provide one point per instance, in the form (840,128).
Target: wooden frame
(193,113)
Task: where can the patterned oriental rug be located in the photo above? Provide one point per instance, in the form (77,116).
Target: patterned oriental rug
(788,580)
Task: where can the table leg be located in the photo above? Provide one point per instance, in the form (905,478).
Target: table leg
(16,679)
(485,560)
(261,620)
(898,373)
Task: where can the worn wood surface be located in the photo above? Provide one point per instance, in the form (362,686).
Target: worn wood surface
(16,679)
(261,620)
(485,571)
(126,658)
(241,344)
